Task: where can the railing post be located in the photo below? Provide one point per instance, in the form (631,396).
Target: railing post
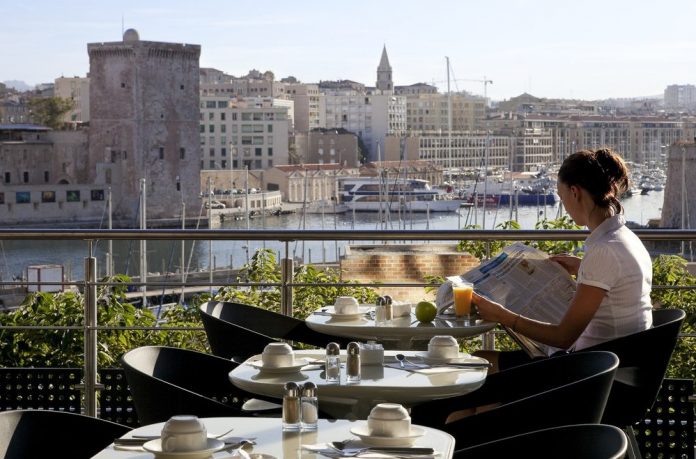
(90,335)
(286,271)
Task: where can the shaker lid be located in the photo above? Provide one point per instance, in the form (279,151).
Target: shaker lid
(309,389)
(353,348)
(292,389)
(333,349)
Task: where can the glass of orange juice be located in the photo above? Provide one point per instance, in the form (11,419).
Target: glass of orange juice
(462,291)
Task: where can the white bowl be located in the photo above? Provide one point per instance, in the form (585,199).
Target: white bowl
(277,355)
(184,433)
(389,420)
(346,305)
(443,347)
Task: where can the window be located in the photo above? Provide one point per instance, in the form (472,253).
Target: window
(321,151)
(270,128)
(222,116)
(211,128)
(212,152)
(270,151)
(222,104)
(246,140)
(211,115)
(72,195)
(161,152)
(48,196)
(234,117)
(258,140)
(224,163)
(258,151)
(257,164)
(202,130)
(247,128)
(7,177)
(25,177)
(46,176)
(97,195)
(212,164)
(182,153)
(258,128)
(23,197)
(210,104)
(223,128)
(258,116)
(270,163)
(246,116)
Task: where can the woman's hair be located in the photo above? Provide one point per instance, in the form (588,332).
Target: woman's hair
(603,173)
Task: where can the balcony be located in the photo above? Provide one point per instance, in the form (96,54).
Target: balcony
(95,388)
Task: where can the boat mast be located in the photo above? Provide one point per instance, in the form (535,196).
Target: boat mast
(449,120)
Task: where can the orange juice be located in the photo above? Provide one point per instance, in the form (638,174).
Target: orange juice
(462,299)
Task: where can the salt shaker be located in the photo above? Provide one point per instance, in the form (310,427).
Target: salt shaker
(388,309)
(333,363)
(310,406)
(380,311)
(291,407)
(353,363)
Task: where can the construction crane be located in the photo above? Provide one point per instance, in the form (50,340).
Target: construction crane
(485,82)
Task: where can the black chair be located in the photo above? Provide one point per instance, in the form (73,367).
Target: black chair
(166,381)
(644,358)
(43,433)
(237,331)
(568,389)
(581,441)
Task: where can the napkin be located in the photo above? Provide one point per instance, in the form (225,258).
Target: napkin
(401,309)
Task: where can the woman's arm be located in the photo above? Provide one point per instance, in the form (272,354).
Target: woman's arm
(582,308)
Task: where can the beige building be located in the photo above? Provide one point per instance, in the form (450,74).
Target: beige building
(407,169)
(328,146)
(243,132)
(77,90)
(306,105)
(308,182)
(429,112)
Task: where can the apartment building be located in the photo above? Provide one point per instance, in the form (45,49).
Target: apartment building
(680,96)
(243,132)
(430,112)
(75,89)
(328,146)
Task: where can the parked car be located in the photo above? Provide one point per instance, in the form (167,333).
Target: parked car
(215,204)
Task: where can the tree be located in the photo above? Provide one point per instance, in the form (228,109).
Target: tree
(50,111)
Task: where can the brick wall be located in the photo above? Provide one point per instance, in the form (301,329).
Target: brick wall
(404,263)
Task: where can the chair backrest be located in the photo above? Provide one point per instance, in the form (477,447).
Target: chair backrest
(42,433)
(255,327)
(643,361)
(166,381)
(580,441)
(228,339)
(563,390)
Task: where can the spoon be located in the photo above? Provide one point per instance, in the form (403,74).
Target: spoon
(401,358)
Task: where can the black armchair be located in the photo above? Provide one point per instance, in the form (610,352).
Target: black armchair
(43,433)
(568,389)
(581,441)
(238,331)
(643,360)
(166,381)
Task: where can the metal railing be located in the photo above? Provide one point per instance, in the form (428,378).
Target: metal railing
(286,284)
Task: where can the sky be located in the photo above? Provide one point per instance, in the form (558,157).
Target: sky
(587,49)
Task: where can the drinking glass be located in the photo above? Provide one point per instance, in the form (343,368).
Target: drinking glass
(462,292)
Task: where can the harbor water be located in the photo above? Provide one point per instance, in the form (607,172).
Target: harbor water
(165,256)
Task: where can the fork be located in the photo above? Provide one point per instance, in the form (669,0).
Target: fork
(340,446)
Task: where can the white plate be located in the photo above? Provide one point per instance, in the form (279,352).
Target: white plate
(361,314)
(407,440)
(463,357)
(299,363)
(155,447)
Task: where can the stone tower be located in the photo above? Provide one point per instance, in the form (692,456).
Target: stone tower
(144,122)
(384,73)
(681,174)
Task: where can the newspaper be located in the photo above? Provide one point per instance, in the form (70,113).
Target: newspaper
(525,281)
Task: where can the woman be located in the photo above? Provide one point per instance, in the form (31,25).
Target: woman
(614,277)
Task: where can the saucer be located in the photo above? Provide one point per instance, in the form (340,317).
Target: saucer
(370,440)
(463,357)
(299,363)
(155,447)
(355,316)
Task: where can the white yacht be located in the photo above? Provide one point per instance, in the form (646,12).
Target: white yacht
(372,194)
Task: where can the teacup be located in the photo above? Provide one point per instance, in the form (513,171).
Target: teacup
(184,433)
(277,355)
(443,347)
(389,420)
(346,305)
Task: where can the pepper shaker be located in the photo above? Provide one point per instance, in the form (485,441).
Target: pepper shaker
(291,407)
(388,309)
(333,363)
(353,363)
(310,406)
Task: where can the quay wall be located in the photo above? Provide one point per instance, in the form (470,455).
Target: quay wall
(404,263)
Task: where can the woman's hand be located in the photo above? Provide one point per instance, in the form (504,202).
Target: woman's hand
(487,309)
(570,263)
